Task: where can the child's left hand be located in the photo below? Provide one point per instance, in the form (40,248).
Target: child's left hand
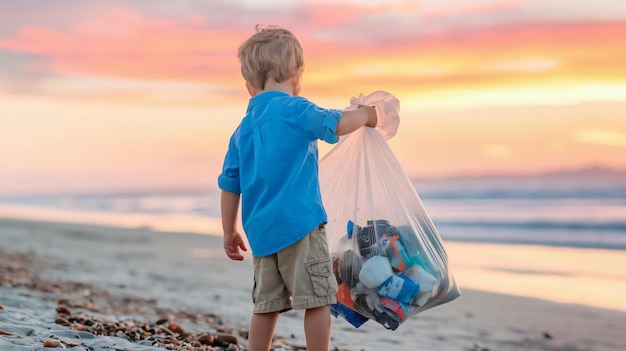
(232,243)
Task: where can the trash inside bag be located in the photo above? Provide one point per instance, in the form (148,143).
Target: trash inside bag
(388,258)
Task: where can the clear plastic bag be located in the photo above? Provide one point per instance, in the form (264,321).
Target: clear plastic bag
(388,257)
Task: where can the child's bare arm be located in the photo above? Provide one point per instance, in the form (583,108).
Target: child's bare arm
(352,120)
(233,241)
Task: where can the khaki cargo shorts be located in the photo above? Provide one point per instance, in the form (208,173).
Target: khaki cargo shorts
(297,277)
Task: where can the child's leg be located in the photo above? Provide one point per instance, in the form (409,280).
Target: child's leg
(317,328)
(262,331)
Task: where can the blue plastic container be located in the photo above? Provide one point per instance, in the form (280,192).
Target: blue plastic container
(399,287)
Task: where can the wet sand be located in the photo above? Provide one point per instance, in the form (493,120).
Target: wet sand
(79,284)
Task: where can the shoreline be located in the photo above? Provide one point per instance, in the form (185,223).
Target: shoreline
(188,272)
(553,273)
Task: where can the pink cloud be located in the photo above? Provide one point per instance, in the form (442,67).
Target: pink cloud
(438,8)
(125,44)
(585,52)
(128,45)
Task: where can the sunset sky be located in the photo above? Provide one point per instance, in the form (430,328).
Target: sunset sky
(120,94)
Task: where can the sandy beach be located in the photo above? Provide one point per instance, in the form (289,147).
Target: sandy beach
(184,278)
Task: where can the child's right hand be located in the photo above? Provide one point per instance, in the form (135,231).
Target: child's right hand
(372,116)
(387,109)
(232,243)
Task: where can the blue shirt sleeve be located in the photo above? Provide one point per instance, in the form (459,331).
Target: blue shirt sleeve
(229,178)
(320,123)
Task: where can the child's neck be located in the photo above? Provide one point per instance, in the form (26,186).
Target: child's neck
(272,85)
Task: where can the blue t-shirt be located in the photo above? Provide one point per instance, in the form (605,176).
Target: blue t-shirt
(272,161)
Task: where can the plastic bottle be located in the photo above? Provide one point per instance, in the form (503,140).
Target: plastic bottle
(425,280)
(375,270)
(399,256)
(349,267)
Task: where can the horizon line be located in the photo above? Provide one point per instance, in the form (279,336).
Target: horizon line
(586,171)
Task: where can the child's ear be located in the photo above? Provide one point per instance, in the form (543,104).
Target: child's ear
(296,80)
(250,89)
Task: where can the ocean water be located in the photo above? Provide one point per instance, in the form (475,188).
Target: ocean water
(586,213)
(583,211)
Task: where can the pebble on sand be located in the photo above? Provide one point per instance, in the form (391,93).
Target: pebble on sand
(4,332)
(51,343)
(176,328)
(206,339)
(64,310)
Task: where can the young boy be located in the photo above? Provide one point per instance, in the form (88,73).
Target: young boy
(272,165)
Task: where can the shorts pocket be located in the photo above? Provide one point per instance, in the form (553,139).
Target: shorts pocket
(322,278)
(257,272)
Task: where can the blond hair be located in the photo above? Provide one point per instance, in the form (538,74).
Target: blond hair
(272,52)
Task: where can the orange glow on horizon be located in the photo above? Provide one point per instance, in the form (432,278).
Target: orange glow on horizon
(88,103)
